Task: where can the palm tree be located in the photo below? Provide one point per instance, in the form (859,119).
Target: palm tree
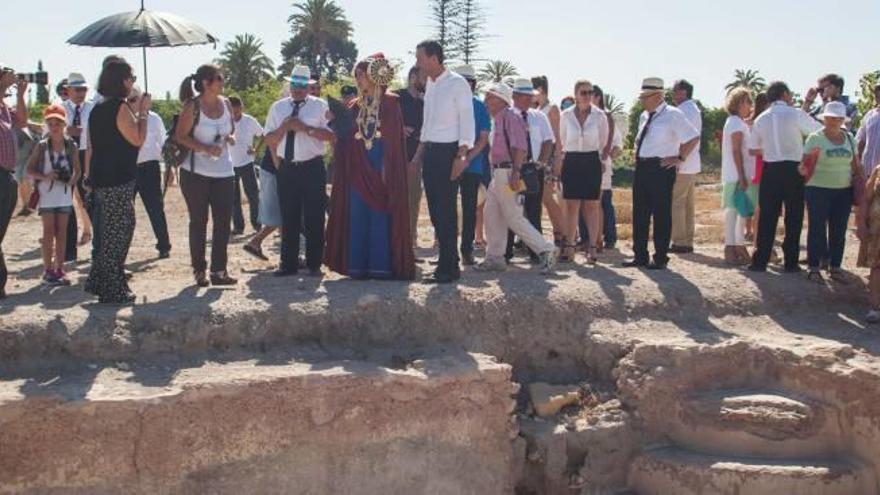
(321,35)
(747,78)
(244,62)
(498,71)
(613,106)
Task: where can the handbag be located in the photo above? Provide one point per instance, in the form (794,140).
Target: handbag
(858,178)
(743,204)
(175,154)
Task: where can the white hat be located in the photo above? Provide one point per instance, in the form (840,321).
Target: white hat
(76,80)
(652,85)
(502,91)
(524,86)
(834,109)
(300,76)
(466,71)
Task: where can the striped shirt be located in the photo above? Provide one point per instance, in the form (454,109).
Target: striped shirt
(869,133)
(7,138)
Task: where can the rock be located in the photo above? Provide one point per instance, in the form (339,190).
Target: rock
(549,399)
(368,300)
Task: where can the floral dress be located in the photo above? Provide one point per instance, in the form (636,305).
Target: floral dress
(869,250)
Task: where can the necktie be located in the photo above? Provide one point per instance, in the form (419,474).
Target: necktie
(291,136)
(77,120)
(525,117)
(644,133)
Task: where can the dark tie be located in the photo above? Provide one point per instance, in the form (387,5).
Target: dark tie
(644,133)
(291,136)
(77,120)
(525,116)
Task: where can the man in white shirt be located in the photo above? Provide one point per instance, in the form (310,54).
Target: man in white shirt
(149,177)
(447,135)
(868,136)
(247,130)
(78,110)
(686,179)
(542,142)
(296,131)
(664,139)
(778,134)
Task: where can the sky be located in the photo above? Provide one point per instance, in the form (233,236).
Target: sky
(613,44)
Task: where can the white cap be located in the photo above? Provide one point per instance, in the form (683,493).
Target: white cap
(834,109)
(466,71)
(76,80)
(502,91)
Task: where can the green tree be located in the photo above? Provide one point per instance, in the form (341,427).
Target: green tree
(498,71)
(245,62)
(469,30)
(258,98)
(613,106)
(42,90)
(444,15)
(321,39)
(866,92)
(747,78)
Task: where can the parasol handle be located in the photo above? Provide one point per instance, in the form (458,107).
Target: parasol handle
(146,80)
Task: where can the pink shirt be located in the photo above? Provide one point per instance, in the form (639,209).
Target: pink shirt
(516,136)
(7,138)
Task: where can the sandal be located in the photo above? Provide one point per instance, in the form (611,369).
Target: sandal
(85,239)
(566,255)
(591,257)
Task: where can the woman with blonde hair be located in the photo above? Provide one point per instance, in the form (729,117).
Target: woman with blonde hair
(737,174)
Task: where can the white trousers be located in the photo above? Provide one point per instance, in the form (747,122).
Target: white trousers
(734,228)
(503,212)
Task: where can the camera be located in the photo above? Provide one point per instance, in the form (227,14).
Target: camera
(41,78)
(64,174)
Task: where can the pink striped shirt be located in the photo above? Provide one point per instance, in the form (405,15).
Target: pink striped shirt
(7,138)
(517,136)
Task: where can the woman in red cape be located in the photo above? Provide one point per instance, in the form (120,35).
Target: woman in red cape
(368,233)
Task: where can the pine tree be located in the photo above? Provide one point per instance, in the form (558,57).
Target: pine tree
(470,27)
(444,16)
(42,90)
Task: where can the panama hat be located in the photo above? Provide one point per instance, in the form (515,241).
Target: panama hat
(300,76)
(652,85)
(466,71)
(76,80)
(523,86)
(503,91)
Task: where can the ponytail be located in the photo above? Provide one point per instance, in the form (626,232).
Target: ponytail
(186,89)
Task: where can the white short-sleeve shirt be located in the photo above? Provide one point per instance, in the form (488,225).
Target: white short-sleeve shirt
(729,172)
(692,163)
(246,130)
(592,136)
(779,132)
(85,110)
(313,112)
(540,130)
(668,131)
(152,148)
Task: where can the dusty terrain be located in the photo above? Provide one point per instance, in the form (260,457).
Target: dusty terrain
(702,379)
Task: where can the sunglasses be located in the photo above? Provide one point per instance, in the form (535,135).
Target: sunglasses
(133,78)
(586,92)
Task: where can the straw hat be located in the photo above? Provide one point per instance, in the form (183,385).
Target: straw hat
(502,91)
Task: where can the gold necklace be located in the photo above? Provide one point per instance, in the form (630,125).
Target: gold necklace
(368,118)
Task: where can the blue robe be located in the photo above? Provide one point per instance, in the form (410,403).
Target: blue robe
(369,249)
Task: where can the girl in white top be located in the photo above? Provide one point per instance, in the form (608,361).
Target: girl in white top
(54,165)
(737,172)
(548,198)
(207,178)
(583,130)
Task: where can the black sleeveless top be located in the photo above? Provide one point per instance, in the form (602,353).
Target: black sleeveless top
(114,159)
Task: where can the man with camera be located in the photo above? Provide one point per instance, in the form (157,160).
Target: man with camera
(541,143)
(503,210)
(10,119)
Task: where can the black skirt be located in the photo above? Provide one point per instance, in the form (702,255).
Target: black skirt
(582,176)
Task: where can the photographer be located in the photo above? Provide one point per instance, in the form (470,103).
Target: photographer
(9,119)
(54,166)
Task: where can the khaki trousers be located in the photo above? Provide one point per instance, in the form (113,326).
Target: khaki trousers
(683,210)
(503,211)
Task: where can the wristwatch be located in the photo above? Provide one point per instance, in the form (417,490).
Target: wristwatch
(310,132)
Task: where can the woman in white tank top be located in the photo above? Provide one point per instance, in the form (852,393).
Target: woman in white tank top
(207,177)
(549,200)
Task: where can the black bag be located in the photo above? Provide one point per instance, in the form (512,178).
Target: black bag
(174,153)
(528,172)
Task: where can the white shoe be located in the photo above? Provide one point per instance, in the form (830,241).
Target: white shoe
(491,265)
(548,262)
(873,316)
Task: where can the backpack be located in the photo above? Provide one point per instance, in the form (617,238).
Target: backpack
(174,153)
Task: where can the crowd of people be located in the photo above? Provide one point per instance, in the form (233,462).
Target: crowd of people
(505,158)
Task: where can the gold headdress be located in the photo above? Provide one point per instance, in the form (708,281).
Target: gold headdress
(381,74)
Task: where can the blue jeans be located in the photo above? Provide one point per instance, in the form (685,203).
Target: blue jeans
(828,211)
(609,221)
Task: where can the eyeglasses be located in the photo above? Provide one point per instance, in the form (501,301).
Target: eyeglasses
(133,78)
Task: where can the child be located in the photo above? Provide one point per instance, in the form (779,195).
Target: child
(54,166)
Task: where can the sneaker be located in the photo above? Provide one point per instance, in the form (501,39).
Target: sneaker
(61,277)
(873,316)
(548,262)
(491,265)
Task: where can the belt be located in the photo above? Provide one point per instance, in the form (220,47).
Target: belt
(297,164)
(430,144)
(502,165)
(649,159)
